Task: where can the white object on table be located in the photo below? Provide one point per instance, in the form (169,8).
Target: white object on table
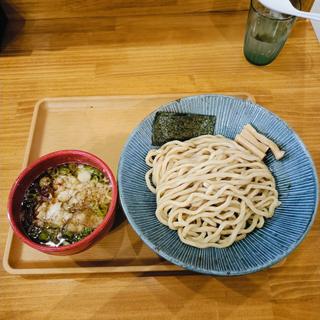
(316,24)
(285,6)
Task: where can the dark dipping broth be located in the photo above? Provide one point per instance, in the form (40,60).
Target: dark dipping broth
(65,204)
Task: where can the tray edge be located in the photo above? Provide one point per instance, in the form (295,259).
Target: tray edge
(5,261)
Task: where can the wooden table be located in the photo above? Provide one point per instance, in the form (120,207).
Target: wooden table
(144,55)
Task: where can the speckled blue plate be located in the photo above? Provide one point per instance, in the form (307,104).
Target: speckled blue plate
(295,177)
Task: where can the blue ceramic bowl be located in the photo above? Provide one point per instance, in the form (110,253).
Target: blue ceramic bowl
(296,182)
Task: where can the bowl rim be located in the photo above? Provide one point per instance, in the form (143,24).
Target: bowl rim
(190,267)
(94,234)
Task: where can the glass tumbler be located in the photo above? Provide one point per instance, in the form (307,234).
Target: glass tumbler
(267,32)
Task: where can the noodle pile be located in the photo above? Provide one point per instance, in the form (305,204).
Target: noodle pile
(211,190)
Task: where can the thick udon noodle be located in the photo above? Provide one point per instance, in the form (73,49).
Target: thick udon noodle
(211,190)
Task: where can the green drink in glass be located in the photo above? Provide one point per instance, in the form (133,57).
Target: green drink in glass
(267,32)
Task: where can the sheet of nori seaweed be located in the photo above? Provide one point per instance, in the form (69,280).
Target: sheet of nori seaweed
(168,126)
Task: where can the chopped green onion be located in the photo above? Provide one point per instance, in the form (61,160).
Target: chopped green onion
(44,182)
(64,170)
(44,236)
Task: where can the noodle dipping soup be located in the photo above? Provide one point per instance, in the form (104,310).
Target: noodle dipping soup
(63,203)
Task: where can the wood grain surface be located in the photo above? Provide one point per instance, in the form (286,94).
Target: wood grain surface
(48,9)
(146,55)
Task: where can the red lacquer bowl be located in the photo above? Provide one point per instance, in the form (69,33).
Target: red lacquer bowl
(29,174)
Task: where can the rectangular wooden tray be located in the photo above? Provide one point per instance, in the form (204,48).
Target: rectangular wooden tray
(99,125)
